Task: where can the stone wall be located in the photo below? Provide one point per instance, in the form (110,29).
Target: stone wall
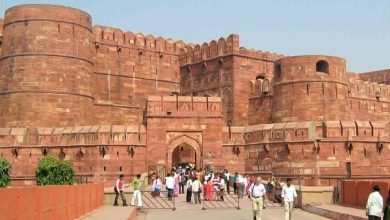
(225,69)
(319,150)
(46,66)
(100,152)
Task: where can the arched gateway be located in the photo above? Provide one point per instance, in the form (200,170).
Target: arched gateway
(184,149)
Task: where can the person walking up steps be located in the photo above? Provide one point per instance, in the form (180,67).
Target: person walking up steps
(257,195)
(136,184)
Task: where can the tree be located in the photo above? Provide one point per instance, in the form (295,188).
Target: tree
(51,171)
(5,168)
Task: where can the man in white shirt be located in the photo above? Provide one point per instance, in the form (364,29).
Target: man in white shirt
(374,205)
(196,187)
(170,184)
(257,195)
(227,178)
(289,194)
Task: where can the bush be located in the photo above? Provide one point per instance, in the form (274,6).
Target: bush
(51,171)
(5,168)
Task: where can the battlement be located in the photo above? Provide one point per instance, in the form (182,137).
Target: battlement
(258,54)
(380,76)
(225,46)
(377,131)
(116,37)
(369,90)
(74,136)
(184,106)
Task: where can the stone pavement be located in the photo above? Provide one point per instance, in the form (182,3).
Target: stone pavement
(186,210)
(243,214)
(111,212)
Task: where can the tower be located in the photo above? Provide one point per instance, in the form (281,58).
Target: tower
(310,88)
(45,67)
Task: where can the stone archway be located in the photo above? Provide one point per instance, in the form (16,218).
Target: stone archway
(184,154)
(179,141)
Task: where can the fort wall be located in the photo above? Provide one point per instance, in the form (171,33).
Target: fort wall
(379,76)
(46,66)
(224,69)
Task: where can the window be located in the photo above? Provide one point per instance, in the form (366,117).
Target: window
(322,67)
(278,70)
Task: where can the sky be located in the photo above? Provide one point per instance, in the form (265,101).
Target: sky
(357,30)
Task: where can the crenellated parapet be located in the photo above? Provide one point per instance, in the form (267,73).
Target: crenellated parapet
(116,37)
(380,76)
(223,47)
(369,90)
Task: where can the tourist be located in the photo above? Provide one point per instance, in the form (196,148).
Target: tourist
(235,181)
(205,190)
(176,186)
(189,189)
(120,190)
(210,189)
(386,210)
(196,190)
(289,195)
(374,205)
(222,186)
(182,183)
(227,180)
(240,186)
(170,184)
(257,195)
(156,187)
(201,175)
(251,180)
(136,184)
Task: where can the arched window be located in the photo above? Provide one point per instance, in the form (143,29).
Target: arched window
(260,77)
(322,66)
(278,70)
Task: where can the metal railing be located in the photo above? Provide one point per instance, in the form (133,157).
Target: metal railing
(161,201)
(220,200)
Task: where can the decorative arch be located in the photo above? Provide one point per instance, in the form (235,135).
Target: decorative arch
(177,142)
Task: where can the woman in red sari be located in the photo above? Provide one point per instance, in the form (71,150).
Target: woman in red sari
(210,189)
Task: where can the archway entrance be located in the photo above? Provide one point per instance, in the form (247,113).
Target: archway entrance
(183,155)
(184,148)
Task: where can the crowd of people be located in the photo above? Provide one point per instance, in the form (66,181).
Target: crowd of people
(213,186)
(210,186)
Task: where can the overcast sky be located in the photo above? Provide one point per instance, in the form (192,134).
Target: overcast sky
(358,30)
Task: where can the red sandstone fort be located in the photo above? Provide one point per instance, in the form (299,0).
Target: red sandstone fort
(118,102)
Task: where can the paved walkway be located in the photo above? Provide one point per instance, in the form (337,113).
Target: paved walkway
(243,214)
(186,210)
(110,212)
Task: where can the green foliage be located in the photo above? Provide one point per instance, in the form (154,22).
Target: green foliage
(51,171)
(5,168)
